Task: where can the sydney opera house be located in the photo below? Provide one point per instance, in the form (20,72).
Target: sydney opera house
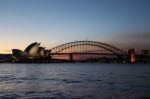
(32,51)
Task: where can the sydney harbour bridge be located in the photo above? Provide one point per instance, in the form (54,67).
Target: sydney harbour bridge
(72,51)
(88,49)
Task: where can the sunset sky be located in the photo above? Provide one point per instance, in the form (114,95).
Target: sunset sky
(122,23)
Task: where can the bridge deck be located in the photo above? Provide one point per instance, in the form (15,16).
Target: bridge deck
(82,54)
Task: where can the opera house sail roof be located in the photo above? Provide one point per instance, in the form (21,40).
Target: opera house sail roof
(30,46)
(31,51)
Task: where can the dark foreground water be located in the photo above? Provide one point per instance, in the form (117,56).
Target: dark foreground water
(74,81)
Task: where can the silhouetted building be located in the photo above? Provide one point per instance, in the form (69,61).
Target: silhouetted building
(146,56)
(5,57)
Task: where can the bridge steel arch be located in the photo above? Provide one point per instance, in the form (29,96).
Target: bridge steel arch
(116,51)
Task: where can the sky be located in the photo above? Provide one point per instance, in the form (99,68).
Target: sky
(121,23)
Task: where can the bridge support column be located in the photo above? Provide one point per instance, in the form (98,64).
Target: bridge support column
(49,55)
(71,57)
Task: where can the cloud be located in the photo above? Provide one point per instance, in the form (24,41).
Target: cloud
(135,40)
(145,35)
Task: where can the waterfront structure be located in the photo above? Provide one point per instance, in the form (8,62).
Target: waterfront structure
(5,58)
(32,51)
(79,51)
(88,49)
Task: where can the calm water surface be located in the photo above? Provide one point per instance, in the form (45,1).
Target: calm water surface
(74,81)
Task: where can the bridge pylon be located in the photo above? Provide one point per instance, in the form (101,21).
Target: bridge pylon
(70,57)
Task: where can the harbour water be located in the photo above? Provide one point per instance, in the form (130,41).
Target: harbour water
(75,81)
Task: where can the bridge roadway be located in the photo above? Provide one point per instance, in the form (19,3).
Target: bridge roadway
(86,53)
(82,53)
(71,54)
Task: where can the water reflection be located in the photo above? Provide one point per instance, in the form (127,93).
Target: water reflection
(73,81)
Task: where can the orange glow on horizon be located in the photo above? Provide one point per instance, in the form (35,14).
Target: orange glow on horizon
(5,51)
